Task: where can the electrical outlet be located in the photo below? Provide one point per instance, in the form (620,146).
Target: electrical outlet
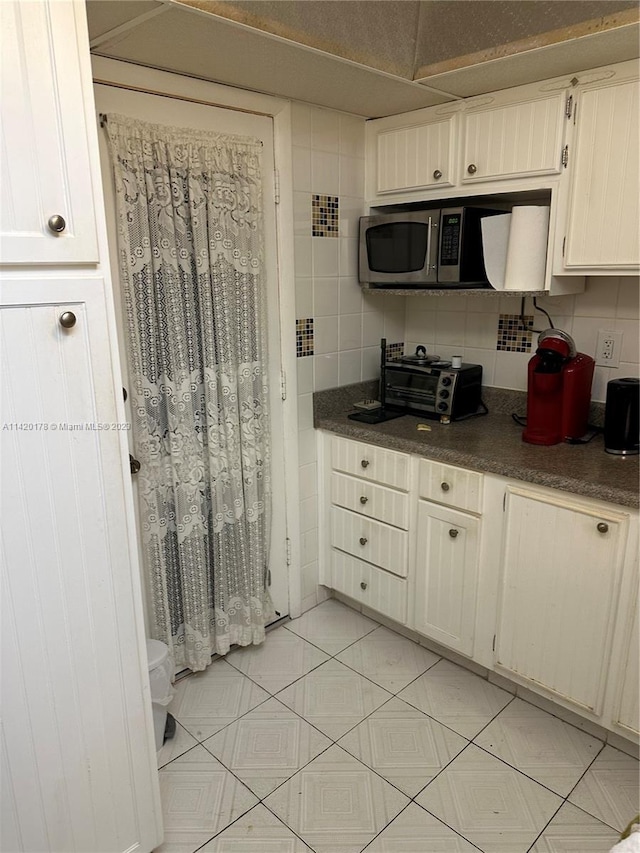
(608,348)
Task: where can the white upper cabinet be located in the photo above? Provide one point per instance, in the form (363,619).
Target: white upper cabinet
(46,195)
(417,156)
(603,223)
(517,139)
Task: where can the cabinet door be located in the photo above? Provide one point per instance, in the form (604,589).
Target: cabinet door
(44,161)
(78,757)
(561,568)
(628,714)
(446,576)
(418,156)
(515,140)
(603,228)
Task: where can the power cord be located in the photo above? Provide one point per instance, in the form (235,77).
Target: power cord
(523,322)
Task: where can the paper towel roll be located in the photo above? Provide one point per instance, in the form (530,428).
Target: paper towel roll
(495,243)
(515,248)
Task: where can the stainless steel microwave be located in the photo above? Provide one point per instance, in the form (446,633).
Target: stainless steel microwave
(424,248)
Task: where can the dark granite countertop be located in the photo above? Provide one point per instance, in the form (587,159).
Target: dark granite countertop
(492,444)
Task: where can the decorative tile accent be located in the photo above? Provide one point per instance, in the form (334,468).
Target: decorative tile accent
(331,626)
(258,831)
(489,803)
(325,218)
(609,790)
(403,745)
(199,799)
(207,701)
(304,337)
(545,748)
(511,336)
(267,746)
(574,831)
(279,661)
(395,351)
(336,804)
(334,698)
(456,697)
(416,831)
(388,659)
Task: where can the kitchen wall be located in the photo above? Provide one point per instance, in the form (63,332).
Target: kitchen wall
(338,330)
(484,329)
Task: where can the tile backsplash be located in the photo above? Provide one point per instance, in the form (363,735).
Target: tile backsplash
(482,328)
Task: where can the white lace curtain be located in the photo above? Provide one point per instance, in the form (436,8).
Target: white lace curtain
(192,273)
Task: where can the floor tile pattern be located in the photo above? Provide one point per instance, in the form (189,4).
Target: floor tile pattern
(340,736)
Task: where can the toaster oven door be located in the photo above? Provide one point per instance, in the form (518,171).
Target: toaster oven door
(411,390)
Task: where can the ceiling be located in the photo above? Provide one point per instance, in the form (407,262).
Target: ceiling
(367,57)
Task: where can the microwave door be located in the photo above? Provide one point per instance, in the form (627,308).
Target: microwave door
(400,250)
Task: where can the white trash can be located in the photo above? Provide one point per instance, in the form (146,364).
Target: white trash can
(161,688)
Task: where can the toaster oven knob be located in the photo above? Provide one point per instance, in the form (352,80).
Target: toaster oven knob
(444,394)
(442,407)
(446,380)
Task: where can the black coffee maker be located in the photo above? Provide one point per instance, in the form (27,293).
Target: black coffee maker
(621,417)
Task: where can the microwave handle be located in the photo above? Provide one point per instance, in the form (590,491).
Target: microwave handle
(432,245)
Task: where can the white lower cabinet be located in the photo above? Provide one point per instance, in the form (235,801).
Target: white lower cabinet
(538,585)
(561,571)
(445,571)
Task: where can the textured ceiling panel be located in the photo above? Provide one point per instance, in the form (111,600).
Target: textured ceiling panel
(207,47)
(544,63)
(378,33)
(105,15)
(449,30)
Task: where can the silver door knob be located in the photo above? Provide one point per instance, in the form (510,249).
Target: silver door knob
(363,585)
(365,463)
(453,533)
(56,223)
(472,168)
(67,320)
(363,540)
(445,487)
(437,174)
(603,528)
(363,499)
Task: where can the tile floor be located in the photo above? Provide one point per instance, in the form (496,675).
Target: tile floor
(338,735)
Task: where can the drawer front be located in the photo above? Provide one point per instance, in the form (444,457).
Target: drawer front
(371,463)
(449,485)
(369,540)
(371,586)
(371,500)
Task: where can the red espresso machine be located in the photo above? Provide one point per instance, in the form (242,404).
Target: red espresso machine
(558,390)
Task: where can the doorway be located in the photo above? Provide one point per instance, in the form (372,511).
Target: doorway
(173,112)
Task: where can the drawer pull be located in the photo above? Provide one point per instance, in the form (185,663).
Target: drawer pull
(363,499)
(453,533)
(437,174)
(603,528)
(445,487)
(363,585)
(365,463)
(472,168)
(363,540)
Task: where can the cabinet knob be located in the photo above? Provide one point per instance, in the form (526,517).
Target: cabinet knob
(363,499)
(437,174)
(472,168)
(364,463)
(67,320)
(363,585)
(445,487)
(602,527)
(453,533)
(56,223)
(363,540)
